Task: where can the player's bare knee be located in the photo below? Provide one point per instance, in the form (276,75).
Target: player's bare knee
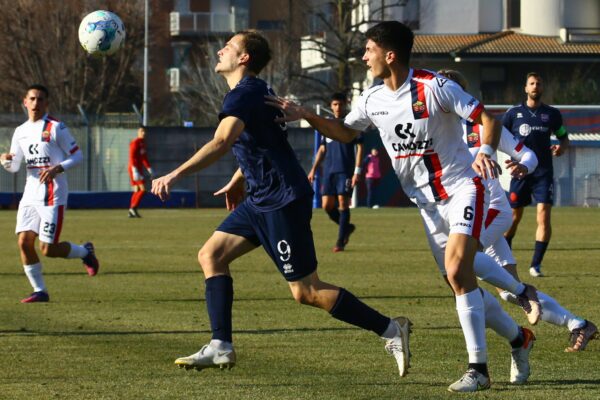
(304,295)
(25,243)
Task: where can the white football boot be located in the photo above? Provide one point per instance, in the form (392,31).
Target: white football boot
(398,346)
(208,357)
(471,381)
(519,365)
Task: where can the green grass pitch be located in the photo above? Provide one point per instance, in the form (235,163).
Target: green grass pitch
(116,335)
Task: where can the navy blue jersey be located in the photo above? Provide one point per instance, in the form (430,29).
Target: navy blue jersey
(273,174)
(340,157)
(533,128)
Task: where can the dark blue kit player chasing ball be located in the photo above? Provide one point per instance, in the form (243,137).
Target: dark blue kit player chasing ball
(275,212)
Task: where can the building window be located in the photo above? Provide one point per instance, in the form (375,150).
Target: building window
(513,14)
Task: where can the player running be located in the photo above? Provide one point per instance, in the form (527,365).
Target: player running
(418,116)
(138,160)
(275,214)
(341,173)
(499,218)
(49,150)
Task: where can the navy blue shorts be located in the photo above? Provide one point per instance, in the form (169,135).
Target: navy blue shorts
(540,188)
(337,184)
(284,233)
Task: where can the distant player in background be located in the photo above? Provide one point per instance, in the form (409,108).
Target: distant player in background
(341,173)
(138,160)
(581,330)
(372,168)
(49,150)
(276,212)
(533,122)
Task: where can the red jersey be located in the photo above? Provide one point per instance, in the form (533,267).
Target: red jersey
(138,157)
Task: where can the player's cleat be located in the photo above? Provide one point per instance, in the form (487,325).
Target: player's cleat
(208,357)
(351,229)
(536,271)
(90,262)
(37,297)
(471,381)
(519,359)
(133,213)
(581,336)
(337,249)
(529,302)
(399,345)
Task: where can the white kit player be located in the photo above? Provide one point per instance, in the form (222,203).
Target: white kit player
(48,149)
(418,116)
(499,218)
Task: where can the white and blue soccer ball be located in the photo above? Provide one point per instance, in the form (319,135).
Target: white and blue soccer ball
(101,33)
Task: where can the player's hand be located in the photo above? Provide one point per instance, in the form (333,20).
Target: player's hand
(291,111)
(486,167)
(6,159)
(518,171)
(557,150)
(161,187)
(234,193)
(311,177)
(49,174)
(356,179)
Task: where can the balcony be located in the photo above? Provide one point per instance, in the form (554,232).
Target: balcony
(197,23)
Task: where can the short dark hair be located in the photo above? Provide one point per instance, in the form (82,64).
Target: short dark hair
(339,96)
(534,74)
(257,48)
(394,36)
(37,86)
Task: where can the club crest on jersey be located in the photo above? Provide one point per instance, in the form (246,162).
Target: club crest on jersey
(524,130)
(418,106)
(545,117)
(473,139)
(46,136)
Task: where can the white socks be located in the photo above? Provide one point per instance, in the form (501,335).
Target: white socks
(497,319)
(77,251)
(470,310)
(221,345)
(36,279)
(489,271)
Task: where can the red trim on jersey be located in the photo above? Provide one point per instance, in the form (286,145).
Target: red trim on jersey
(479,197)
(491,216)
(59,223)
(476,113)
(419,102)
(423,74)
(434,166)
(519,147)
(49,197)
(46,131)
(74,149)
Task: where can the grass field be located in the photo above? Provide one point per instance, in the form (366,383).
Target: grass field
(115,336)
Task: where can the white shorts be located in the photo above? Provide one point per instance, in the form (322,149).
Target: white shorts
(46,221)
(463,213)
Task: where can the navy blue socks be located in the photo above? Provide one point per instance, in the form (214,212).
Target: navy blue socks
(351,310)
(219,301)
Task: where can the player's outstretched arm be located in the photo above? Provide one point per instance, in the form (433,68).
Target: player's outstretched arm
(332,128)
(318,159)
(229,129)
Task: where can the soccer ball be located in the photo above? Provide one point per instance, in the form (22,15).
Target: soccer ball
(101,33)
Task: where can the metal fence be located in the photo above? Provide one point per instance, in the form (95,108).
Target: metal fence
(105,145)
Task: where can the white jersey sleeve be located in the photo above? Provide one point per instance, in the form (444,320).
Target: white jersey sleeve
(69,146)
(511,146)
(358,118)
(452,98)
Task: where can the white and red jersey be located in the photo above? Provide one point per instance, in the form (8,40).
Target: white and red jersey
(44,144)
(510,146)
(420,127)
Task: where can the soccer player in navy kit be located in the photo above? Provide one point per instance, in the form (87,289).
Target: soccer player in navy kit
(276,212)
(341,173)
(533,122)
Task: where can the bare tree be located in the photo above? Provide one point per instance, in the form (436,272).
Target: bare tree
(39,39)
